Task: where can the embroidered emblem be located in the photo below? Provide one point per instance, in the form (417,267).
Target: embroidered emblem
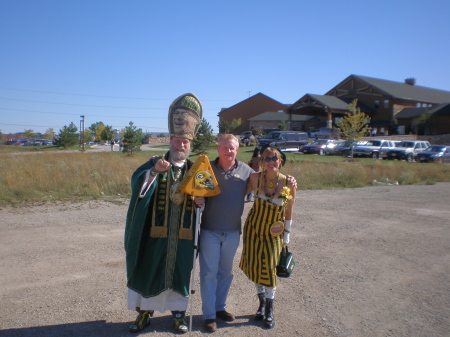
(176,195)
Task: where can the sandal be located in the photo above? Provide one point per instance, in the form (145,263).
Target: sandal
(142,320)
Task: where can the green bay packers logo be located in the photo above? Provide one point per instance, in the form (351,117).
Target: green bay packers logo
(203,179)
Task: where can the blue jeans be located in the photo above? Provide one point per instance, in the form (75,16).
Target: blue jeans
(216,256)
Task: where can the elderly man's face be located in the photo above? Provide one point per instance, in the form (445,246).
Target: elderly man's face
(180,148)
(184,122)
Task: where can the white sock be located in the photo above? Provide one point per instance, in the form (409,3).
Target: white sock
(270,293)
(259,289)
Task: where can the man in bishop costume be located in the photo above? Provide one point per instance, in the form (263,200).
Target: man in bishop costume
(160,225)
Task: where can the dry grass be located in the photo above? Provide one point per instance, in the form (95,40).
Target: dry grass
(76,176)
(316,174)
(51,176)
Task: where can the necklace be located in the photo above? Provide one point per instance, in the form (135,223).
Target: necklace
(271,184)
(176,196)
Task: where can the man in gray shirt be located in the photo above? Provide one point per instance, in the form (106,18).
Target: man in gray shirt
(220,231)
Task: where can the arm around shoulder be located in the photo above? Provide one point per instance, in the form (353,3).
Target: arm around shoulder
(252,182)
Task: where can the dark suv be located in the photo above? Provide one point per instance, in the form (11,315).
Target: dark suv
(285,139)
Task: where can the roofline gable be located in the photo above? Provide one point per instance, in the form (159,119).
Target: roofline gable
(259,94)
(398,90)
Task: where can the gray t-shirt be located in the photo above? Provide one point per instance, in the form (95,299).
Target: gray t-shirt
(223,212)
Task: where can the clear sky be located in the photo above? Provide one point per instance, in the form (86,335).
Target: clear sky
(120,61)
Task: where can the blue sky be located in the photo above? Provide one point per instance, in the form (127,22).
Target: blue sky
(121,61)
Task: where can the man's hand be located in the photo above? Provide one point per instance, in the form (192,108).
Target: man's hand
(199,201)
(162,165)
(292,181)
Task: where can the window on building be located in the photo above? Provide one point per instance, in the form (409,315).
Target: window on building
(376,104)
(386,103)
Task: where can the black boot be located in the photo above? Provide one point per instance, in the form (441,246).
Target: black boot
(269,321)
(259,316)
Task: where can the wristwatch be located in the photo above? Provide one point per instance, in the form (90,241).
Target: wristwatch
(153,172)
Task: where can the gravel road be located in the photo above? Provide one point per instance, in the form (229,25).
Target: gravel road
(371,261)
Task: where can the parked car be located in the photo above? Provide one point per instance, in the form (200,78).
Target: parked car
(328,133)
(25,142)
(246,137)
(37,142)
(343,148)
(435,153)
(11,142)
(407,150)
(285,139)
(375,148)
(319,146)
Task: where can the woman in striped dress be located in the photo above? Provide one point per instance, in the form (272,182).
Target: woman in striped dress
(267,228)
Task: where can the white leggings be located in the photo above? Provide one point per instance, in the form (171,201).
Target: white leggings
(269,292)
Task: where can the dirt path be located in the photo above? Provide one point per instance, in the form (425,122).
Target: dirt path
(371,261)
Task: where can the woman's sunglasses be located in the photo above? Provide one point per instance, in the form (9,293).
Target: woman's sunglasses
(268,159)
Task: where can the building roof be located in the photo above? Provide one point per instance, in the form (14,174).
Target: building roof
(440,109)
(331,101)
(402,90)
(257,96)
(411,112)
(278,116)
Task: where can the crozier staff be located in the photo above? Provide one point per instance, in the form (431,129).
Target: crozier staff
(267,228)
(159,233)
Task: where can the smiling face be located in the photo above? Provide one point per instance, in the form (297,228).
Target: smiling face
(227,148)
(272,165)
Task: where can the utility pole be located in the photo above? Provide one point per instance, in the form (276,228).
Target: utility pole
(82,133)
(249,92)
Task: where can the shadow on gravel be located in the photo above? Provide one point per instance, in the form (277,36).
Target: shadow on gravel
(104,329)
(95,328)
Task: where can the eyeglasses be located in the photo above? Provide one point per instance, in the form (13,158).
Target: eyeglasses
(269,159)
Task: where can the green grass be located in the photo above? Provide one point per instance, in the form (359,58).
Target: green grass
(53,175)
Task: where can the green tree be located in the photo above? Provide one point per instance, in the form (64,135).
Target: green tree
(355,123)
(49,134)
(107,133)
(87,135)
(393,125)
(204,138)
(282,126)
(67,136)
(97,129)
(132,138)
(224,126)
(427,123)
(257,132)
(28,134)
(233,127)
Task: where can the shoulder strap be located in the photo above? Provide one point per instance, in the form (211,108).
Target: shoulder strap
(259,182)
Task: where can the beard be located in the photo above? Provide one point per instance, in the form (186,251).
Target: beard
(178,154)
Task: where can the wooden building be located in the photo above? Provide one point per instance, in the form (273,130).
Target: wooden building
(250,107)
(381,99)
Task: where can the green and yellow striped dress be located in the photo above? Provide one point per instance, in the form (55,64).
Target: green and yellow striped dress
(261,250)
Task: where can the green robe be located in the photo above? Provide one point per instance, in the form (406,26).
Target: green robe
(156,264)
